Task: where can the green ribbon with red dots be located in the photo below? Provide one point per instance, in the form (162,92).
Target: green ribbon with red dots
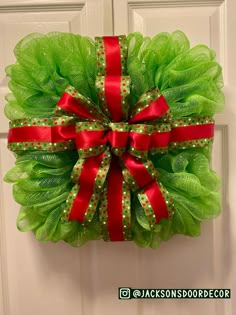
(113,142)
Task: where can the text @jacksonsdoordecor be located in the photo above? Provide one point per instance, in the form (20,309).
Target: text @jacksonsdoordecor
(126,293)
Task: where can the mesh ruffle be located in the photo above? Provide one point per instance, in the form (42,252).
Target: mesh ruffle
(189,79)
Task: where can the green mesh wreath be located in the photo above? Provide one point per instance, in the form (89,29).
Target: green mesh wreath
(189,80)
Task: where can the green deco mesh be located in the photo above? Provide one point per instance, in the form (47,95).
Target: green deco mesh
(190,80)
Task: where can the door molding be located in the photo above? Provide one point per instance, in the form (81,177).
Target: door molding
(41,7)
(174,3)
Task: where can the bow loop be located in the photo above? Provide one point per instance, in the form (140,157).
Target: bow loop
(72,102)
(138,173)
(150,107)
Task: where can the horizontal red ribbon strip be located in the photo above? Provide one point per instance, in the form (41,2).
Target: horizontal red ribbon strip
(90,139)
(186,133)
(52,134)
(140,141)
(160,139)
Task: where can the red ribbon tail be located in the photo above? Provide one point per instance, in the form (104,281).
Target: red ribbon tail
(114,198)
(115,206)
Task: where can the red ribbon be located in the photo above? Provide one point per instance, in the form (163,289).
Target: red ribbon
(155,110)
(113,55)
(145,181)
(89,139)
(52,134)
(69,104)
(86,187)
(118,139)
(186,133)
(113,96)
(140,141)
(160,139)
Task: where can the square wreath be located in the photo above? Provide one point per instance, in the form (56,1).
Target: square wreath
(113,137)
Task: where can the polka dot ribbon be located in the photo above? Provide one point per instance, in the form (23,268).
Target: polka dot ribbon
(113,143)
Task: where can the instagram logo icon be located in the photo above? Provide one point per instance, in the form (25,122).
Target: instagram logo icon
(124,293)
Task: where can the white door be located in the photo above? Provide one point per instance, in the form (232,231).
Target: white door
(48,279)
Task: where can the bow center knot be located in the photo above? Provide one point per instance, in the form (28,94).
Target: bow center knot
(92,138)
(118,136)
